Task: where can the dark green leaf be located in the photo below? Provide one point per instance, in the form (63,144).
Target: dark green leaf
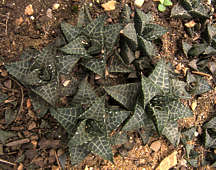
(101,146)
(160,76)
(201,11)
(84,16)
(48,92)
(115,118)
(81,136)
(179,12)
(70,32)
(202,86)
(127,54)
(141,19)
(119,139)
(77,153)
(95,29)
(130,34)
(210,51)
(3,97)
(171,132)
(197,49)
(67,62)
(147,46)
(67,117)
(153,31)
(125,14)
(85,93)
(186,47)
(97,65)
(177,110)
(75,47)
(209,141)
(21,70)
(118,66)
(162,118)
(125,94)
(211,31)
(96,111)
(138,120)
(179,89)
(211,124)
(111,36)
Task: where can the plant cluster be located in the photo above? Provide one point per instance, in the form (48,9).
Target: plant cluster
(163,4)
(110,90)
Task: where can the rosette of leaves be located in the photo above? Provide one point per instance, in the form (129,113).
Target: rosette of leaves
(92,48)
(139,34)
(161,98)
(188,9)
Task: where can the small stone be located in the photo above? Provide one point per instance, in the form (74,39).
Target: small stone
(194,105)
(139,3)
(109,6)
(8,84)
(168,162)
(190,24)
(29,10)
(155,146)
(19,21)
(49,13)
(55,6)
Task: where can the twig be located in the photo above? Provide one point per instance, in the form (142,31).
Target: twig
(4,161)
(57,159)
(201,73)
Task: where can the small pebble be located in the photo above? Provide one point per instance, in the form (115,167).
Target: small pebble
(29,10)
(55,6)
(155,146)
(109,6)
(139,3)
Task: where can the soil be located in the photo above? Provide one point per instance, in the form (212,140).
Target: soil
(44,140)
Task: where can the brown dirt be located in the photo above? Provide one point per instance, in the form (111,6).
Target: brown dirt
(44,138)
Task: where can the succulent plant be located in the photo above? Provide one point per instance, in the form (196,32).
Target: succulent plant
(108,94)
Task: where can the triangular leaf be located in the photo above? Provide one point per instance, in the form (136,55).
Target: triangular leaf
(67,62)
(130,33)
(138,120)
(48,92)
(141,19)
(111,35)
(101,146)
(70,31)
(96,65)
(81,136)
(119,138)
(147,46)
(84,16)
(153,31)
(115,118)
(67,117)
(118,66)
(177,110)
(77,153)
(125,94)
(96,111)
(179,89)
(160,76)
(171,132)
(75,47)
(85,93)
